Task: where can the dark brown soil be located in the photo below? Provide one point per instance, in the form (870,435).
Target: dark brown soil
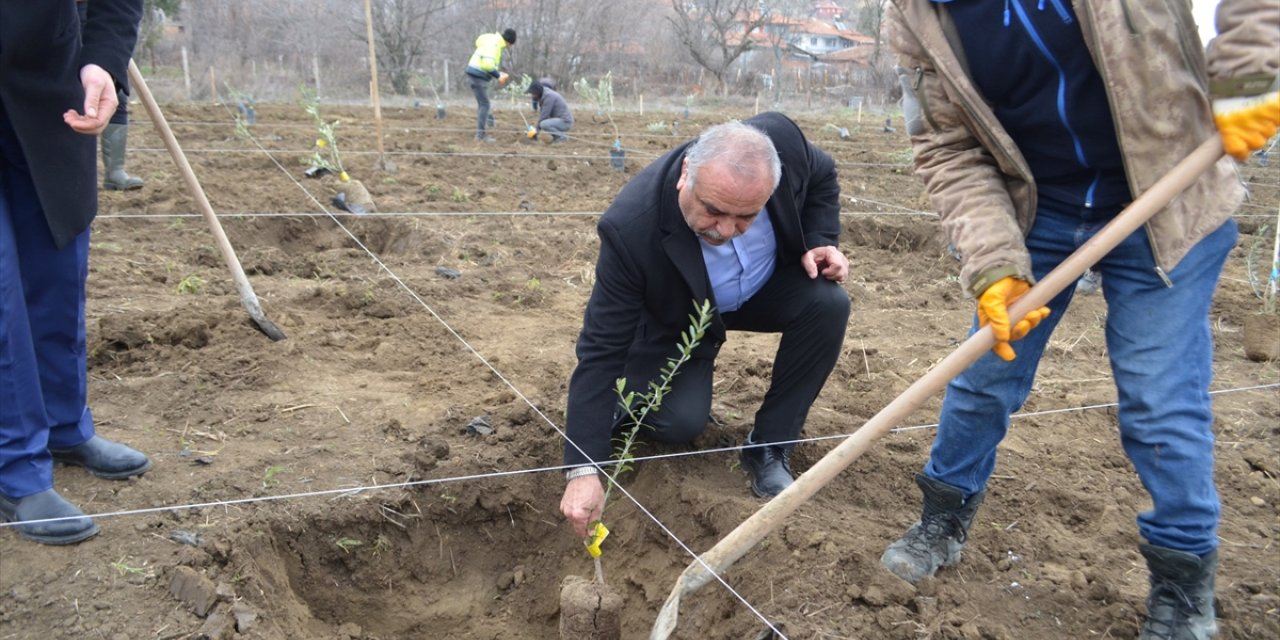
(395,521)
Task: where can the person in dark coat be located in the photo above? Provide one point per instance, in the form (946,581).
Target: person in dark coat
(48,197)
(746,217)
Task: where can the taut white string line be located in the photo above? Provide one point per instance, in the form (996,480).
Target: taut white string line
(352,491)
(478,214)
(520,394)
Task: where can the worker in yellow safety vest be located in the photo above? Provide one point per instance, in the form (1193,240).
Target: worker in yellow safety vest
(482,68)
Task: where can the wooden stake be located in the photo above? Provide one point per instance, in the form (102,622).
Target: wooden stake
(186,74)
(373,83)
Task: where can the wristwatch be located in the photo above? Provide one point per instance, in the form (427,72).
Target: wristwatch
(578,472)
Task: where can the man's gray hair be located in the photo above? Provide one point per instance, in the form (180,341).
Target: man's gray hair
(741,147)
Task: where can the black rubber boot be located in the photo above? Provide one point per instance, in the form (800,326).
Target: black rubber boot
(938,538)
(115,139)
(28,511)
(1180,604)
(104,458)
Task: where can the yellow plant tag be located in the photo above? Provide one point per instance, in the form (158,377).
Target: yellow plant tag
(598,533)
(344,177)
(320,142)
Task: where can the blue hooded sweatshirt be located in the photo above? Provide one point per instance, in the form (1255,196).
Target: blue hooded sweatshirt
(1029,60)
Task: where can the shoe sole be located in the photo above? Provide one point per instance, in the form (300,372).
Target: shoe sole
(53,540)
(62,540)
(106,475)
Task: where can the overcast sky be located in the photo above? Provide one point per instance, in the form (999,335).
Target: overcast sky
(1203,11)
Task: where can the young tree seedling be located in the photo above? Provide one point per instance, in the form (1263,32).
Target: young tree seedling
(638,406)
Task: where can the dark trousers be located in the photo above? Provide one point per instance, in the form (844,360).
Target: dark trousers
(480,87)
(811,315)
(42,334)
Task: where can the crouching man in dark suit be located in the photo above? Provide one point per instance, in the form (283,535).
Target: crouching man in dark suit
(746,216)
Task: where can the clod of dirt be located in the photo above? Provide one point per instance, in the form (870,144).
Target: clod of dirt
(1262,337)
(589,610)
(193,588)
(358,195)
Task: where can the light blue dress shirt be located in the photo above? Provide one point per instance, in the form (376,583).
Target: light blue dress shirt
(740,267)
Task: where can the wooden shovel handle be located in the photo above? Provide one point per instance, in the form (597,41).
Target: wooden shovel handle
(775,512)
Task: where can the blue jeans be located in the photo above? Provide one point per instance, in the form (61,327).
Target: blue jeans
(1161,352)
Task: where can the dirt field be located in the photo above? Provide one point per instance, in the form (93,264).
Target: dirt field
(460,536)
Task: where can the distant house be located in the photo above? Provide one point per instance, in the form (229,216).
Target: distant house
(807,42)
(818,38)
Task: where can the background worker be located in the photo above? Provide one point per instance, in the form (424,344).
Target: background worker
(115,138)
(746,216)
(48,197)
(554,115)
(482,68)
(1040,122)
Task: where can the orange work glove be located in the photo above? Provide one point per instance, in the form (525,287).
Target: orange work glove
(993,309)
(503,78)
(1246,124)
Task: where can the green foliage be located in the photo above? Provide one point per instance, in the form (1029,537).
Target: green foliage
(516,88)
(269,476)
(190,285)
(124,568)
(600,95)
(1264,278)
(347,544)
(326,152)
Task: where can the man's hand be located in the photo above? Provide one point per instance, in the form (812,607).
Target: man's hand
(1246,124)
(583,502)
(503,78)
(993,309)
(827,261)
(99,102)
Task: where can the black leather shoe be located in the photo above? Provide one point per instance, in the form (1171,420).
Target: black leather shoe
(44,505)
(104,458)
(770,469)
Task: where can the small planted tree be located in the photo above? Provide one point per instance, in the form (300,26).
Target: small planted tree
(601,96)
(325,157)
(351,195)
(589,608)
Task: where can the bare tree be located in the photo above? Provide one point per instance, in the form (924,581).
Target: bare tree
(151,30)
(401,30)
(716,32)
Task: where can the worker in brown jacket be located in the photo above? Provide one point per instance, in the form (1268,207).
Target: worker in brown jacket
(1034,122)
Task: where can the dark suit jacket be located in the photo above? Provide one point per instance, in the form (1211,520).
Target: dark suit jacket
(41,54)
(650,272)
